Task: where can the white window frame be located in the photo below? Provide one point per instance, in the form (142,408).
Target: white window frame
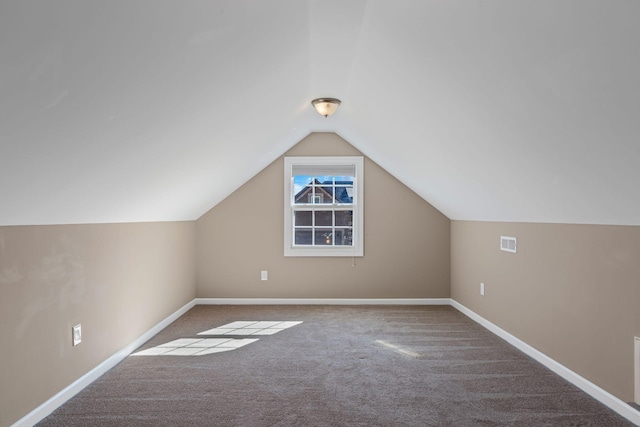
(357,248)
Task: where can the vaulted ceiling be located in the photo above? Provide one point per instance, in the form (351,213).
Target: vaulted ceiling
(156,110)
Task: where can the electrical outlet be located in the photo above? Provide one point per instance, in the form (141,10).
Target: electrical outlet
(482,289)
(77,334)
(263,275)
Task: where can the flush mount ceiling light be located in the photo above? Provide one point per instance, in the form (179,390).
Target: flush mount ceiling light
(326,106)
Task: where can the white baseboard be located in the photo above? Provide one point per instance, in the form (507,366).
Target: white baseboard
(323,301)
(585,385)
(74,388)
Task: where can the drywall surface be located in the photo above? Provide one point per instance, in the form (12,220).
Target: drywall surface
(406,241)
(570,291)
(116,280)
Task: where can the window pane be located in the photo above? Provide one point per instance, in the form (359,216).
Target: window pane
(324,218)
(302,189)
(344,237)
(344,189)
(323,236)
(344,218)
(305,196)
(344,194)
(302,218)
(326,189)
(303,236)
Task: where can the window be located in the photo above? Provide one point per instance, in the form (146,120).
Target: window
(323,209)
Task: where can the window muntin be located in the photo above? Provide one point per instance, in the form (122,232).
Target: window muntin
(323,206)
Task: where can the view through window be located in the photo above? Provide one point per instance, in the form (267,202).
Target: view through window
(323,206)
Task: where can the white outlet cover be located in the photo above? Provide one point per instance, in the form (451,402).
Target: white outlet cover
(263,275)
(77,334)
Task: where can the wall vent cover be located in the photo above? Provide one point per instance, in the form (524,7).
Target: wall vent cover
(508,244)
(636,363)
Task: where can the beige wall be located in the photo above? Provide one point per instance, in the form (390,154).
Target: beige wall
(406,241)
(117,280)
(571,291)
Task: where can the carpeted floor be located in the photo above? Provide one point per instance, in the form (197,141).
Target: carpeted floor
(343,366)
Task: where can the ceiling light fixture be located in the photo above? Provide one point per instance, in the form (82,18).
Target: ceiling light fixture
(326,106)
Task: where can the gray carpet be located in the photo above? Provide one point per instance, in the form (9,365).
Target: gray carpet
(343,366)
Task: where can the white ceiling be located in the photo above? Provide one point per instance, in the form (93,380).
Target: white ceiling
(156,110)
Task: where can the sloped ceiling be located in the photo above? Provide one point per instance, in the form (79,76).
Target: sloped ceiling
(132,110)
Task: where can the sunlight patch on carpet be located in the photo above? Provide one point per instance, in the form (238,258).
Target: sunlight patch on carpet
(398,349)
(250,328)
(223,342)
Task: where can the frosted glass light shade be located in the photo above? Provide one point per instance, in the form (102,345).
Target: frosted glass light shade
(326,106)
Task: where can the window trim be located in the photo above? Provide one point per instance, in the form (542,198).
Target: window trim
(357,249)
